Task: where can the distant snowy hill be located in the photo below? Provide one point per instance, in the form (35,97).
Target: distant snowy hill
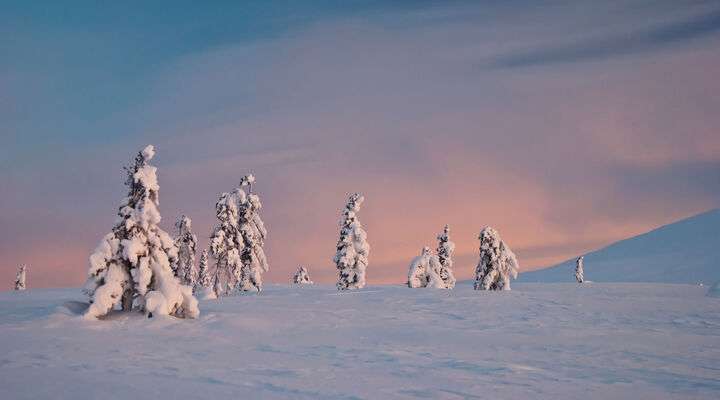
(687,251)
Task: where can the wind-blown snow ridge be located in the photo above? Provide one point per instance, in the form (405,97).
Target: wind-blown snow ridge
(685,251)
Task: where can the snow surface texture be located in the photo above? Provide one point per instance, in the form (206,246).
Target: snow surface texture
(20,278)
(497,264)
(237,241)
(186,242)
(302,277)
(351,258)
(131,265)
(682,252)
(538,341)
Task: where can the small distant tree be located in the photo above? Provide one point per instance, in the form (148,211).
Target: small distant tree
(351,258)
(579,273)
(20,278)
(204,284)
(497,265)
(131,265)
(302,277)
(445,251)
(186,242)
(237,241)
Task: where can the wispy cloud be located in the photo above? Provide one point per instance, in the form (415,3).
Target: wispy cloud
(613,45)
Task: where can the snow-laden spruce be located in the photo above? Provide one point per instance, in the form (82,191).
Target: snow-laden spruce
(497,264)
(579,273)
(204,283)
(186,242)
(351,258)
(302,277)
(237,241)
(425,270)
(20,278)
(445,251)
(131,265)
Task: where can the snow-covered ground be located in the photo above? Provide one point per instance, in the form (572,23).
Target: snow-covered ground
(539,341)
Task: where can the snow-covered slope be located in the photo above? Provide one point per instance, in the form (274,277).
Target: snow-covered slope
(687,251)
(538,341)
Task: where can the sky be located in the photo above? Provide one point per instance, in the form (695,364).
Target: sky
(566,125)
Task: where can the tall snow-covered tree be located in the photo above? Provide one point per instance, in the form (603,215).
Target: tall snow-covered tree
(186,242)
(237,241)
(253,232)
(579,273)
(445,251)
(497,264)
(302,277)
(20,278)
(226,242)
(131,265)
(351,258)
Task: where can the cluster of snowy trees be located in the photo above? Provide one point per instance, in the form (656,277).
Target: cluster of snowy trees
(236,243)
(138,266)
(434,271)
(132,265)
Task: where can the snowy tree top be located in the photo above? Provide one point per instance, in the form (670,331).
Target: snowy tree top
(247,180)
(357,199)
(489,235)
(184,222)
(445,233)
(148,152)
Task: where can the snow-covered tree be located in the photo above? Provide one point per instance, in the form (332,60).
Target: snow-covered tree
(205,279)
(204,288)
(351,258)
(20,278)
(425,271)
(225,243)
(445,251)
(237,241)
(253,232)
(131,265)
(186,242)
(579,273)
(497,264)
(302,277)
